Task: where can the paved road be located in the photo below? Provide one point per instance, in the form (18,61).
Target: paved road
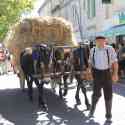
(15,109)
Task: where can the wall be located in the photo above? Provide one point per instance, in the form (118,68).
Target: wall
(81,13)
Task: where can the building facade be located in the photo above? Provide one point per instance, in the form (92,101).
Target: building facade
(45,8)
(87,16)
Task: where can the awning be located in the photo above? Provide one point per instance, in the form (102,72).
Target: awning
(114,31)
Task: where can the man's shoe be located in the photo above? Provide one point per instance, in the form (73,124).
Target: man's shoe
(91,114)
(78,102)
(108,120)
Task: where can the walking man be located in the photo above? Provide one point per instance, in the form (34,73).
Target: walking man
(103,61)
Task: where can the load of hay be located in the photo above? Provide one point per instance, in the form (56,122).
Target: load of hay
(32,31)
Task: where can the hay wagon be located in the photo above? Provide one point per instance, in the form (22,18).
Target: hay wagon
(29,32)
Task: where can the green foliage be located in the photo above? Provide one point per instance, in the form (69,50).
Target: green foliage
(10,12)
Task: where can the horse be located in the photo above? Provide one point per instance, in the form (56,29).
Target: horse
(36,62)
(27,65)
(72,63)
(79,65)
(58,71)
(67,69)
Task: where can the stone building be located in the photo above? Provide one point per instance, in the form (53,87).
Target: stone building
(87,16)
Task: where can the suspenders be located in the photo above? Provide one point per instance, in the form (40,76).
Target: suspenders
(107,57)
(93,59)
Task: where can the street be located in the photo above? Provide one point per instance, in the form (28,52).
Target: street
(15,108)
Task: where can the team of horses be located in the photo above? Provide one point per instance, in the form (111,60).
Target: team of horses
(58,65)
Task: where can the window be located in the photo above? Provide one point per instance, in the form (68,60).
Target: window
(91,10)
(84,4)
(106,1)
(88,8)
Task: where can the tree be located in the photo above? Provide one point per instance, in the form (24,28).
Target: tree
(10,12)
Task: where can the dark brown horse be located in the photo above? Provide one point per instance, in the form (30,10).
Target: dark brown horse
(27,65)
(77,60)
(58,71)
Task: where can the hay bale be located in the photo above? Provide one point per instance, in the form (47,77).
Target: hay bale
(36,30)
(52,29)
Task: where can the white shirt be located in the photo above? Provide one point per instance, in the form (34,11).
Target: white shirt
(101,57)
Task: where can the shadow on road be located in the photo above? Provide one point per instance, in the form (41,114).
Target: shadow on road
(119,89)
(15,108)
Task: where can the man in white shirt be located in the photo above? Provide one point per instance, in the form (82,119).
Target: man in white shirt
(103,60)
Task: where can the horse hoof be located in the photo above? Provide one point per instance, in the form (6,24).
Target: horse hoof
(90,115)
(78,102)
(46,82)
(88,107)
(53,90)
(44,108)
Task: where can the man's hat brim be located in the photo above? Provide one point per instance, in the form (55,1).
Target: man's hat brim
(100,37)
